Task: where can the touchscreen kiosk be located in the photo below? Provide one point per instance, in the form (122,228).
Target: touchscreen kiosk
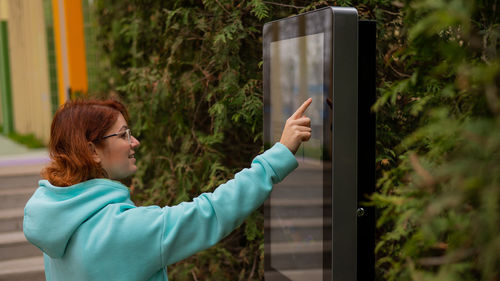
(311,217)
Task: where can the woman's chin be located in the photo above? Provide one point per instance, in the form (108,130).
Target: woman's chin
(123,175)
(133,169)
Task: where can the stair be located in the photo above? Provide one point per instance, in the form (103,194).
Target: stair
(22,269)
(297,226)
(19,260)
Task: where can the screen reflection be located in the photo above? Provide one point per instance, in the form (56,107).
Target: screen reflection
(300,206)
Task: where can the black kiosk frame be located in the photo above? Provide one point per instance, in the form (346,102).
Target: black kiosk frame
(345,161)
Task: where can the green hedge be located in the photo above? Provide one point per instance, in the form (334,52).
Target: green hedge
(190,73)
(439,135)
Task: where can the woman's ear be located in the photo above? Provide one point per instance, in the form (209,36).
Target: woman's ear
(94,153)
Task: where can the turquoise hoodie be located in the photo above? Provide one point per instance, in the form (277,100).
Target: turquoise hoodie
(93,231)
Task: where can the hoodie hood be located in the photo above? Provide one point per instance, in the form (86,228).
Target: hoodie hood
(53,213)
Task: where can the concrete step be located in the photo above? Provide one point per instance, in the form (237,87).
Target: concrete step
(295,275)
(297,202)
(11,220)
(308,229)
(16,197)
(13,245)
(31,269)
(300,255)
(292,212)
(23,164)
(17,181)
(299,247)
(297,222)
(20,170)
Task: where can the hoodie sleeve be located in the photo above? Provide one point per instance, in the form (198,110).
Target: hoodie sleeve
(124,242)
(194,226)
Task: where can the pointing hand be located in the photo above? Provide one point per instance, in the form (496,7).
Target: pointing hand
(297,128)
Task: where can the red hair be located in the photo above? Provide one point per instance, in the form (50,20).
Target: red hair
(75,124)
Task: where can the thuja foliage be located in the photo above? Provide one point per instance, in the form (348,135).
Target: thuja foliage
(439,137)
(190,73)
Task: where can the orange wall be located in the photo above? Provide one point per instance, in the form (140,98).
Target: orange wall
(76,45)
(70,47)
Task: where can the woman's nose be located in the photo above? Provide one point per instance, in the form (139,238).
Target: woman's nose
(134,142)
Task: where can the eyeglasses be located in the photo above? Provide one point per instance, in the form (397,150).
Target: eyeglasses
(126,135)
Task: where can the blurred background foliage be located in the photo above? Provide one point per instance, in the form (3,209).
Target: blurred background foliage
(439,144)
(190,74)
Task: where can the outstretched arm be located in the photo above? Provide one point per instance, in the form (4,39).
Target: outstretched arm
(194,226)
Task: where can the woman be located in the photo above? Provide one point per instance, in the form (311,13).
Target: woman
(89,229)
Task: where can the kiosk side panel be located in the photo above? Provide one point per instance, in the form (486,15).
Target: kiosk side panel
(345,140)
(366,148)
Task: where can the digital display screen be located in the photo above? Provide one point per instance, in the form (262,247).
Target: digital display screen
(300,206)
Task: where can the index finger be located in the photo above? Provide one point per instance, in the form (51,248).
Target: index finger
(302,109)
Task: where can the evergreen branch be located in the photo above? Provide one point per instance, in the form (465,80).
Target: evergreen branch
(447,259)
(283,5)
(220,5)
